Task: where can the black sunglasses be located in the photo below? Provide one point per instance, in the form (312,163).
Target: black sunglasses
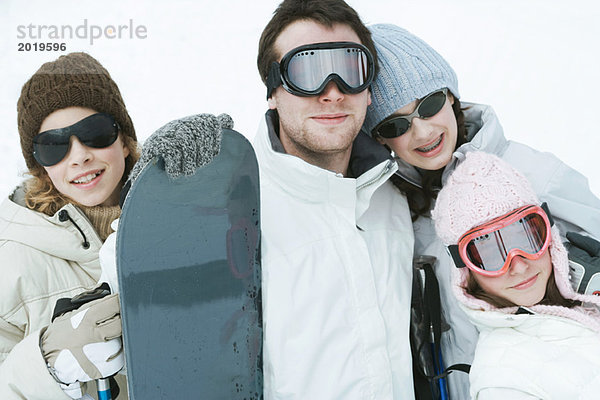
(97,131)
(398,125)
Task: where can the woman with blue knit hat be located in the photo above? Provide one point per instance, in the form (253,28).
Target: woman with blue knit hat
(417,115)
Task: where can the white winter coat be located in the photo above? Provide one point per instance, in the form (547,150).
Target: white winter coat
(526,357)
(336,265)
(42,259)
(573,205)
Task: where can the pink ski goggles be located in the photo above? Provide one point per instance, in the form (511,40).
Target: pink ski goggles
(488,249)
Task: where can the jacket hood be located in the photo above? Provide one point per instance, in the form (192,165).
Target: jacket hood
(56,236)
(478,310)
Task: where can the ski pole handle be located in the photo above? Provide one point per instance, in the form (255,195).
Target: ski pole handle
(103,389)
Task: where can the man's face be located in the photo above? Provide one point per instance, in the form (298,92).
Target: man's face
(319,129)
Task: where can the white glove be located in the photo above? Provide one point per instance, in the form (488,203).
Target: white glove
(85,344)
(108,259)
(74,390)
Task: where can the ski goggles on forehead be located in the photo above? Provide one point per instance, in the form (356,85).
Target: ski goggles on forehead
(97,131)
(306,70)
(489,249)
(399,125)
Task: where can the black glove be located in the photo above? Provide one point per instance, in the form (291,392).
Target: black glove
(184,144)
(584,263)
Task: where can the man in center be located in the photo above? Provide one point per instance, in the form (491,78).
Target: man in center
(336,235)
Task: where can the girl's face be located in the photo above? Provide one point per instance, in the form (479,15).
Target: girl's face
(86,175)
(524,284)
(429,143)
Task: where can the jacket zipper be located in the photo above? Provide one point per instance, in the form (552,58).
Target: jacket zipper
(376,178)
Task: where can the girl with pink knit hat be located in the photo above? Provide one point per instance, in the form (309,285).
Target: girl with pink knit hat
(538,338)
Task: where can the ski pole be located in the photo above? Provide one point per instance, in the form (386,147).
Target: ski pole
(438,366)
(103,389)
(439,369)
(424,264)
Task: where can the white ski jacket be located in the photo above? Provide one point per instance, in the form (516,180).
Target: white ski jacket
(42,259)
(573,206)
(527,357)
(336,265)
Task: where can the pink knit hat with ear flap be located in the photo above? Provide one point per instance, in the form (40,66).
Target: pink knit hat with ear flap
(480,189)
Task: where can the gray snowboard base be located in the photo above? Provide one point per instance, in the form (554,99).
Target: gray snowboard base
(188,254)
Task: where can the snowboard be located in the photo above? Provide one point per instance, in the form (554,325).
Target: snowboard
(188,261)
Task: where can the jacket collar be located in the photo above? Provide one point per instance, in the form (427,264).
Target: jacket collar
(311,183)
(366,151)
(50,234)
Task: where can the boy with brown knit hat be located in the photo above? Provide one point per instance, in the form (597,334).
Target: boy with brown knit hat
(79,145)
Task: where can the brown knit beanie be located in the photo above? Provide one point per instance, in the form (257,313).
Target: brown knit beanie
(73,80)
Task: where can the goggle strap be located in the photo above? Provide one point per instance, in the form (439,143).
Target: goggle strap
(458,261)
(544,207)
(273,79)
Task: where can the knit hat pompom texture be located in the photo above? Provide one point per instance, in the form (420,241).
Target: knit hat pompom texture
(73,80)
(480,189)
(409,69)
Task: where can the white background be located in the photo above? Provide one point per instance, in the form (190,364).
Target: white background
(535,61)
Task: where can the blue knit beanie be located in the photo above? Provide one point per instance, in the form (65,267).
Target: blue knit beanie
(409,69)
